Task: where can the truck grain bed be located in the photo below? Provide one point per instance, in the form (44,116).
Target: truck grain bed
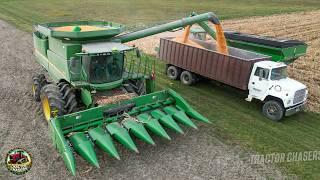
(233,69)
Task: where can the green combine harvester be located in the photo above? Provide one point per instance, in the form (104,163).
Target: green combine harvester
(280,49)
(101,90)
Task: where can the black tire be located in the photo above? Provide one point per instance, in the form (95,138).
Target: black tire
(173,72)
(135,86)
(187,78)
(52,102)
(37,83)
(138,86)
(69,97)
(273,110)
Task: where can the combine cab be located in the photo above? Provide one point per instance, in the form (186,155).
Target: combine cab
(101,90)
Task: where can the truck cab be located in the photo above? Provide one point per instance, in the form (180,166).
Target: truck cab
(281,95)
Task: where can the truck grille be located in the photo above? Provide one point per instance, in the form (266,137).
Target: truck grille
(299,96)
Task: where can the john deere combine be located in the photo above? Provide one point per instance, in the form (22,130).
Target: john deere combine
(102,89)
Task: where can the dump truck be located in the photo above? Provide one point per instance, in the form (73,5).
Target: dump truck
(263,79)
(97,89)
(280,49)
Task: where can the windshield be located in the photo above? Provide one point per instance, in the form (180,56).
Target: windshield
(279,73)
(105,68)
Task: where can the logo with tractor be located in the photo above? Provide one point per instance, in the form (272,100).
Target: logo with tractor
(18,161)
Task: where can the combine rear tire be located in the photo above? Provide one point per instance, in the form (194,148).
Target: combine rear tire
(187,78)
(37,83)
(173,72)
(52,102)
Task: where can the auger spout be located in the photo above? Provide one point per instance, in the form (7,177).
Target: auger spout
(194,19)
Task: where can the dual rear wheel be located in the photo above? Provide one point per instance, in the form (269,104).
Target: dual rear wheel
(52,102)
(37,83)
(56,100)
(186,77)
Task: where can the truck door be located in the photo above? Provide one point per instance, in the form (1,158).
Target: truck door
(258,84)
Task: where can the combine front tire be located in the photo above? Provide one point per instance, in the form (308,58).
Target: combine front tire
(52,102)
(37,83)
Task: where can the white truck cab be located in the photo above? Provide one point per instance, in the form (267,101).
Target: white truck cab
(281,95)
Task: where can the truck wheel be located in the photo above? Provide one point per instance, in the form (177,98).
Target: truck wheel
(273,110)
(173,72)
(37,83)
(187,78)
(52,102)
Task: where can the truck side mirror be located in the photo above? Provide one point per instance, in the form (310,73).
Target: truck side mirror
(260,74)
(138,53)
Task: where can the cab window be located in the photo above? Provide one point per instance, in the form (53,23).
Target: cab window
(103,68)
(265,72)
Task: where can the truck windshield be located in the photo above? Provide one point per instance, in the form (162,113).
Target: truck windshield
(279,73)
(104,68)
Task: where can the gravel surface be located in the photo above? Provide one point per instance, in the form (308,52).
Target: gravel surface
(195,155)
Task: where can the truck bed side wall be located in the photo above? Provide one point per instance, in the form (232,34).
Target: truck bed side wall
(226,69)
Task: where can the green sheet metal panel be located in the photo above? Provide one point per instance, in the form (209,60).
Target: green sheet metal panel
(57,67)
(63,48)
(278,54)
(104,47)
(293,53)
(40,43)
(41,59)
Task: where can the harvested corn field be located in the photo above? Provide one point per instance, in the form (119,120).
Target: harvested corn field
(301,26)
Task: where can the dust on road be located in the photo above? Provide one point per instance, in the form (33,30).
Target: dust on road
(195,155)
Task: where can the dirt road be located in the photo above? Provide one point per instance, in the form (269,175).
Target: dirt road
(196,155)
(303,26)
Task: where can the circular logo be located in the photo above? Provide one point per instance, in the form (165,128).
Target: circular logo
(18,161)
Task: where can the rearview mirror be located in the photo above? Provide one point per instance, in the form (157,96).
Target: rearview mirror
(260,74)
(138,53)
